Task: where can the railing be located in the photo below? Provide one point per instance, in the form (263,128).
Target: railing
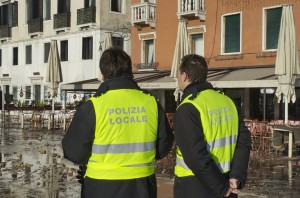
(5,31)
(86,15)
(35,25)
(143,13)
(146,66)
(188,8)
(62,20)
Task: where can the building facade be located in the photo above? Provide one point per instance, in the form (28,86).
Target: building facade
(237,38)
(28,26)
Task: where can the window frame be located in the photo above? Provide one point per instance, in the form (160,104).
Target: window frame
(223,25)
(144,59)
(192,42)
(28,54)
(64,51)
(87,48)
(264,28)
(46,51)
(15,55)
(122,9)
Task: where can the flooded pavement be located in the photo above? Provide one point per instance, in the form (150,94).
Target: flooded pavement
(32,166)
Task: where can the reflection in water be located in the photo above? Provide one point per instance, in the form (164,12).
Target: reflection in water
(32,165)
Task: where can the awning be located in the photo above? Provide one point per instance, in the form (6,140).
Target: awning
(242,77)
(141,78)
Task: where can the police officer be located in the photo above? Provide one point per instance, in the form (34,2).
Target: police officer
(213,148)
(118,134)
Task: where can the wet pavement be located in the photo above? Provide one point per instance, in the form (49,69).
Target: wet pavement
(32,166)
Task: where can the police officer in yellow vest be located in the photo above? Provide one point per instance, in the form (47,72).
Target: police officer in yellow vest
(118,134)
(213,147)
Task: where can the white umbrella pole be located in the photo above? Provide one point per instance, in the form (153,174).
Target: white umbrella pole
(286,120)
(286,111)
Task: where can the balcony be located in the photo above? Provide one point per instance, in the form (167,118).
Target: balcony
(62,21)
(86,16)
(143,14)
(146,66)
(191,9)
(5,31)
(35,25)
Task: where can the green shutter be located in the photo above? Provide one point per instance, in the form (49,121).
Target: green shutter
(232,33)
(273,18)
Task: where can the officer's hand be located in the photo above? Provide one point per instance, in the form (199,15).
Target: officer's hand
(81,173)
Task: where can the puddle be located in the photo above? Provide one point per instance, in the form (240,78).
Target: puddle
(32,165)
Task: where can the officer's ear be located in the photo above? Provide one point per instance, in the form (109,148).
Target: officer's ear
(184,77)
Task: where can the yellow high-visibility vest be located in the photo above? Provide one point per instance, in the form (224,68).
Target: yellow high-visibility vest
(219,120)
(125,135)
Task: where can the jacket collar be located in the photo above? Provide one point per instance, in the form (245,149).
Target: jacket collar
(116,83)
(195,88)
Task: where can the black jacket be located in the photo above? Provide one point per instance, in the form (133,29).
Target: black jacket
(208,180)
(78,141)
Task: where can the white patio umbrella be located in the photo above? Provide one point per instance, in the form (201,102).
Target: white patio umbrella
(287,62)
(107,40)
(54,74)
(182,48)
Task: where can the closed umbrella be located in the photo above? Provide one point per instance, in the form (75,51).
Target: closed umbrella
(182,48)
(107,41)
(287,64)
(54,74)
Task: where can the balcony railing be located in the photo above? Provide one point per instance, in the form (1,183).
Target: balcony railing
(146,66)
(62,20)
(35,25)
(143,14)
(5,31)
(191,8)
(86,15)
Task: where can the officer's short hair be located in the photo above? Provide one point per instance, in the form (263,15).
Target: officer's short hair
(115,63)
(195,67)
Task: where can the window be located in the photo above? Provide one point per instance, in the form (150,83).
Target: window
(46,52)
(117,42)
(63,6)
(4,15)
(89,3)
(34,9)
(15,56)
(28,54)
(272,26)
(28,92)
(64,50)
(197,44)
(87,48)
(0,57)
(116,5)
(149,51)
(47,9)
(46,94)
(232,33)
(37,93)
(15,92)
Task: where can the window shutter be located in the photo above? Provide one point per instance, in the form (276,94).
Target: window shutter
(273,26)
(68,5)
(232,33)
(29,10)
(15,14)
(48,10)
(40,15)
(10,15)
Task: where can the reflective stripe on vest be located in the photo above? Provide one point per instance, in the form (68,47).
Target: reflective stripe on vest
(219,143)
(124,148)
